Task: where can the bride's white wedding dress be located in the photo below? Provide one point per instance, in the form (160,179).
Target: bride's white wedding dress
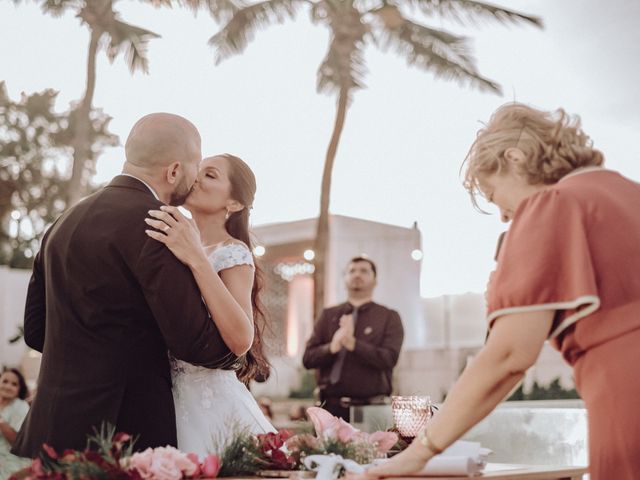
(212,405)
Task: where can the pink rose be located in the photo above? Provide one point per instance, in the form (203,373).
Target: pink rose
(196,461)
(169,463)
(141,461)
(211,466)
(163,463)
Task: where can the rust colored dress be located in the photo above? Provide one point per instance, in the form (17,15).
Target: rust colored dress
(575,248)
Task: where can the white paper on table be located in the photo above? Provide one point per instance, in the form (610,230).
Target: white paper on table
(461,458)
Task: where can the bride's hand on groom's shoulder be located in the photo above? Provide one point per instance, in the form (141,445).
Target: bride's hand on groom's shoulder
(179,233)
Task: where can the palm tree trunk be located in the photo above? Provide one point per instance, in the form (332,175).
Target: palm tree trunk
(82,136)
(321,246)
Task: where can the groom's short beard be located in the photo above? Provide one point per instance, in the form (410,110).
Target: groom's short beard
(180,194)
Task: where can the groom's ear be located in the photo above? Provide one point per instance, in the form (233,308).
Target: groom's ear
(173,172)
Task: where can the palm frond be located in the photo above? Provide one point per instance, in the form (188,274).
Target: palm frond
(234,37)
(57,8)
(220,10)
(471,11)
(162,3)
(133,40)
(446,55)
(343,66)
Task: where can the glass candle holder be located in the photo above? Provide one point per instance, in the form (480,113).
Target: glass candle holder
(411,414)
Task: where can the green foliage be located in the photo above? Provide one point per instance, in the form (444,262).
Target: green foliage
(35,165)
(553,391)
(241,456)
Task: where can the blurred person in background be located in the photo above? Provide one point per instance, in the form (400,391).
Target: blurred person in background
(13,410)
(355,345)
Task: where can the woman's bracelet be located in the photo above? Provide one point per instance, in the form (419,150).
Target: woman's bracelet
(423,438)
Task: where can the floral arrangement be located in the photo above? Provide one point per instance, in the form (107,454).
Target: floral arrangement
(109,455)
(335,436)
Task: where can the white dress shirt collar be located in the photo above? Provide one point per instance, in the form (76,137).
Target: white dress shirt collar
(145,183)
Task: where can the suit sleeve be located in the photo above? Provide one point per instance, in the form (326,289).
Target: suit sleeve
(385,355)
(175,301)
(35,308)
(317,353)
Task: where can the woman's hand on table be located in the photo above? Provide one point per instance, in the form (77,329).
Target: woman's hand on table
(410,461)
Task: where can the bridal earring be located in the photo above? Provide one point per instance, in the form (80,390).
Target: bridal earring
(226,217)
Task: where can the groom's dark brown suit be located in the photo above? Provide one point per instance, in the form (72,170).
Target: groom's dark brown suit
(104,305)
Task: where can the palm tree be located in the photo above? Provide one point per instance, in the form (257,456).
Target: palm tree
(109,32)
(353,25)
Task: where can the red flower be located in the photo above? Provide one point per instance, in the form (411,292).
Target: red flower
(121,437)
(281,461)
(268,441)
(273,441)
(285,434)
(68,455)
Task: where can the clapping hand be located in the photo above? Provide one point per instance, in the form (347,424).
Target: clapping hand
(179,233)
(344,336)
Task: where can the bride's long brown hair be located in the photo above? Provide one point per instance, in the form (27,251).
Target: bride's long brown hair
(243,190)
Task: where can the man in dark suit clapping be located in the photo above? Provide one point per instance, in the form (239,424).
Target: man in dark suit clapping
(355,345)
(106,302)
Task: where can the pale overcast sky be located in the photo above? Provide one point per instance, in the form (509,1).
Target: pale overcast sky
(405,136)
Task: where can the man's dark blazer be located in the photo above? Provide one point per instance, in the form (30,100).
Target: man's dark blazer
(368,369)
(104,306)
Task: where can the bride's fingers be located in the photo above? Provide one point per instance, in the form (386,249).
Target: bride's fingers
(157,224)
(174,212)
(156,236)
(166,217)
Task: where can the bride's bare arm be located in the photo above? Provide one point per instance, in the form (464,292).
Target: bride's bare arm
(228,295)
(228,298)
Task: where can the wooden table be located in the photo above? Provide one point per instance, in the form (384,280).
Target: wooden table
(519,472)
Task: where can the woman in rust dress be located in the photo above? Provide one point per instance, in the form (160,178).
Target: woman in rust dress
(568,272)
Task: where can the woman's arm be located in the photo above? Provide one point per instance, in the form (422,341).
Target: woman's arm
(228,298)
(228,295)
(8,432)
(513,346)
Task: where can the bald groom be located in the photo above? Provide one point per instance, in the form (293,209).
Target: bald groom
(106,302)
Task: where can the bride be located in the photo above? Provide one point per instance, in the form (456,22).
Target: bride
(215,245)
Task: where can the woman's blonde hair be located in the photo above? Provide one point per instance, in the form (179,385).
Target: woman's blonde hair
(553,143)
